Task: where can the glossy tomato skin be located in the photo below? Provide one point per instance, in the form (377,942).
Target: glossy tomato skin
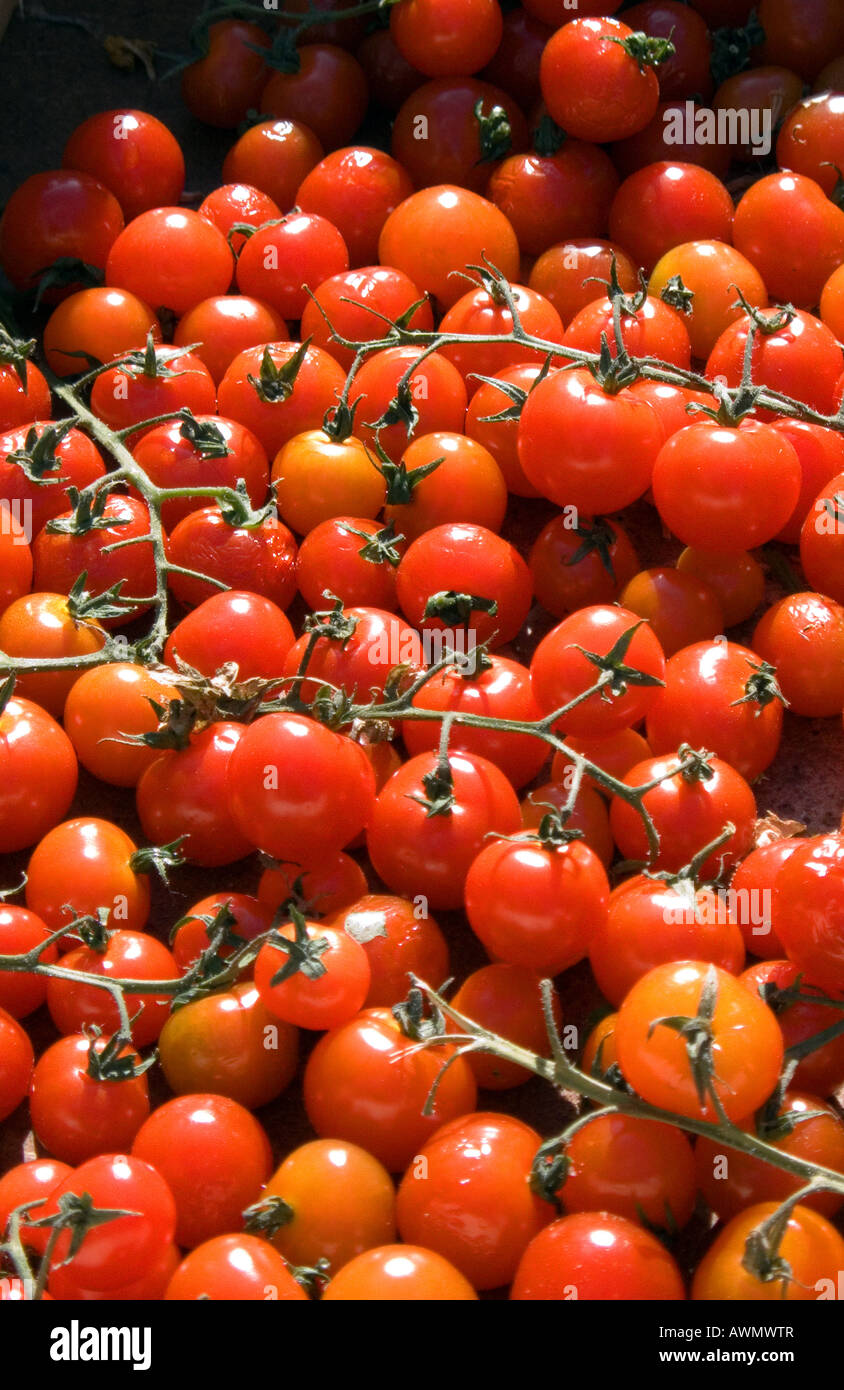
(475,1205)
(698,705)
(365,1083)
(353,301)
(259,559)
(356,189)
(232,626)
(812,1248)
(172,461)
(76,1116)
(536,907)
(822,541)
(654,330)
(219,1044)
(61,557)
(499,437)
(589,814)
(476,312)
(746,1046)
(151,1285)
(798,269)
(803,636)
(802,359)
(821,455)
(567,564)
(334,556)
(736,576)
(634,1168)
(32,1181)
(680,608)
(238,203)
(110,881)
(711,270)
(280,263)
(777,981)
(71,461)
(658,141)
(665,204)
(274,417)
(214,1155)
(25,400)
(107,703)
(342,1202)
(417,853)
(437,393)
(686,72)
(64,213)
(16,1063)
(40,626)
(325,1002)
(564,272)
(328,92)
(596,1255)
(22,931)
(233,1268)
(102,323)
(752,886)
(184,793)
(591,85)
(467,559)
(810,135)
(133,154)
(316,477)
(320,796)
(363,662)
(227,324)
(440,38)
(505,999)
(274,157)
(15,560)
(399,936)
(190,936)
(807,912)
(170,256)
(129,955)
(321,887)
(456,150)
(39,774)
(126,395)
(399,1273)
(550,198)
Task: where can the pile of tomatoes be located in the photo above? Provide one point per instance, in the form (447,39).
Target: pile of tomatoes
(324,569)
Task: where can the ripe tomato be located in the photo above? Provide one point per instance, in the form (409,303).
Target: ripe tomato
(506,1000)
(803,636)
(822,540)
(633,1168)
(42,626)
(561,673)
(362,662)
(107,703)
(718,695)
(321,888)
(367,1083)
(229,1044)
(596,1255)
(552,197)
(591,85)
(257,559)
(399,1273)
(233,1268)
(443,39)
(801,1015)
(745,1044)
(64,213)
(536,907)
(345,555)
(414,851)
(215,1158)
(130,394)
(654,330)
(317,477)
(190,935)
(233,626)
(61,556)
(589,815)
(612,442)
(680,608)
(575,563)
(184,793)
(76,1114)
(515,63)
(176,455)
(805,36)
(666,204)
(305,998)
(670,134)
(737,578)
(565,274)
(752,887)
(442,229)
(614,753)
(328,92)
(650,923)
(807,912)
(170,256)
(132,1243)
(766,94)
(15,560)
(399,936)
(133,154)
(25,397)
(233,203)
(282,262)
(150,1286)
(686,72)
(480,313)
(798,269)
(30,1182)
(274,157)
(811,1250)
(20,932)
(16,1063)
(356,189)
(39,774)
(128,955)
(712,271)
(224,326)
(61,457)
(467,485)
(273,405)
(821,455)
(353,302)
(468,127)
(96,325)
(340,1202)
(433,397)
(298,790)
(221,87)
(800,359)
(109,880)
(465,559)
(391,77)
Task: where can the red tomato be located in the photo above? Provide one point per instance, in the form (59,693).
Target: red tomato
(184,793)
(821,455)
(391,77)
(680,608)
(316,477)
(20,932)
(307,998)
(133,154)
(565,274)
(463,142)
(399,936)
(190,935)
(589,815)
(224,326)
(62,457)
(801,1014)
(170,256)
(596,1255)
(232,626)
(434,395)
(515,63)
(15,559)
(274,157)
(39,774)
(64,213)
(257,559)
(737,578)
(470,560)
(356,189)
(234,1268)
(665,204)
(822,540)
(16,1062)
(106,704)
(505,999)
(128,955)
(803,636)
(282,262)
(792,213)
(101,323)
(633,1168)
(109,880)
(442,39)
(800,359)
(130,394)
(320,888)
(277,406)
(62,556)
(751,893)
(24,396)
(654,330)
(552,197)
(670,135)
(686,72)
(576,561)
(480,313)
(233,203)
(328,91)
(806,36)
(808,909)
(345,555)
(591,85)
(499,436)
(712,271)
(76,1114)
(176,455)
(42,626)
(30,1182)
(353,302)
(223,85)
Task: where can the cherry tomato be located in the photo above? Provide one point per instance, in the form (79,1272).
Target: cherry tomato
(391,77)
(752,887)
(460,558)
(686,72)
(170,256)
(65,213)
(320,888)
(15,559)
(16,1063)
(222,86)
(23,397)
(61,556)
(807,912)
(801,1015)
(614,753)
(666,204)
(362,661)
(434,394)
(591,85)
(308,999)
(317,477)
(577,561)
(712,271)
(42,626)
(468,125)
(234,203)
(443,39)
(671,134)
(20,932)
(478,312)
(76,1114)
(282,262)
(654,330)
(109,880)
(94,326)
(766,94)
(276,408)
(258,559)
(274,157)
(737,578)
(506,1000)
(176,455)
(234,1268)
(190,935)
(596,1255)
(821,455)
(399,936)
(811,1249)
(770,212)
(354,558)
(399,1273)
(499,435)
(328,92)
(39,774)
(633,1168)
(803,636)
(232,626)
(32,1181)
(589,814)
(62,457)
(184,794)
(822,540)
(799,358)
(151,1285)
(224,326)
(105,705)
(680,608)
(565,274)
(803,35)
(553,197)
(133,154)
(353,302)
(356,189)
(128,955)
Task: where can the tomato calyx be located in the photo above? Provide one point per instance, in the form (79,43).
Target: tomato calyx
(267,1216)
(647,51)
(696,765)
(92,931)
(494,132)
(83,606)
(597,536)
(761,1251)
(88,515)
(303,952)
(338,421)
(401,481)
(380,548)
(419,1017)
(549,1170)
(616,675)
(552,833)
(66,270)
(455,609)
(548,137)
(613,370)
(767,321)
(399,411)
(112,1062)
(161,858)
(761,687)
(698,1036)
(237,511)
(14,353)
(38,455)
(154,362)
(282,54)
(439,788)
(78,1215)
(677,296)
(687,880)
(274,383)
(331,623)
(771,1122)
(204,435)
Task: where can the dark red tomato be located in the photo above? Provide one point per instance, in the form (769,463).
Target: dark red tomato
(110,880)
(442,229)
(133,154)
(801,358)
(274,156)
(650,923)
(234,626)
(101,324)
(719,13)
(442,39)
(596,1255)
(328,92)
(41,626)
(399,936)
(514,66)
(591,85)
(133,1243)
(129,955)
(501,689)
(61,557)
(811,138)
(589,814)
(365,1082)
(23,400)
(475,1206)
(20,932)
(792,233)
(803,636)
(665,204)
(727,488)
(478,312)
(183,793)
(346,33)
(807,913)
(415,852)
(466,486)
(172,456)
(821,455)
(557,12)
(190,937)
(258,559)
(353,303)
(390,76)
(399,1273)
(276,408)
(822,540)
(319,888)
(171,256)
(281,263)
(505,999)
(829,79)
(435,391)
(499,436)
(654,330)
(549,198)
(737,578)
(127,395)
(362,662)
(227,324)
(717,697)
(810,1248)
(568,275)
(751,895)
(222,86)
(680,608)
(39,774)
(613,442)
(230,1044)
(803,35)
(670,135)
(15,560)
(76,1114)
(297,789)
(765,94)
(65,213)
(686,72)
(16,1063)
(308,1000)
(316,476)
(342,555)
(355,189)
(32,1181)
(562,674)
(801,1015)
(633,1168)
(687,815)
(536,907)
(470,560)
(238,202)
(460,145)
(234,1268)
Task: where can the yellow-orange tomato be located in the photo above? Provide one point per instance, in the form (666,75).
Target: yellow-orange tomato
(108,704)
(713,271)
(40,626)
(316,477)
